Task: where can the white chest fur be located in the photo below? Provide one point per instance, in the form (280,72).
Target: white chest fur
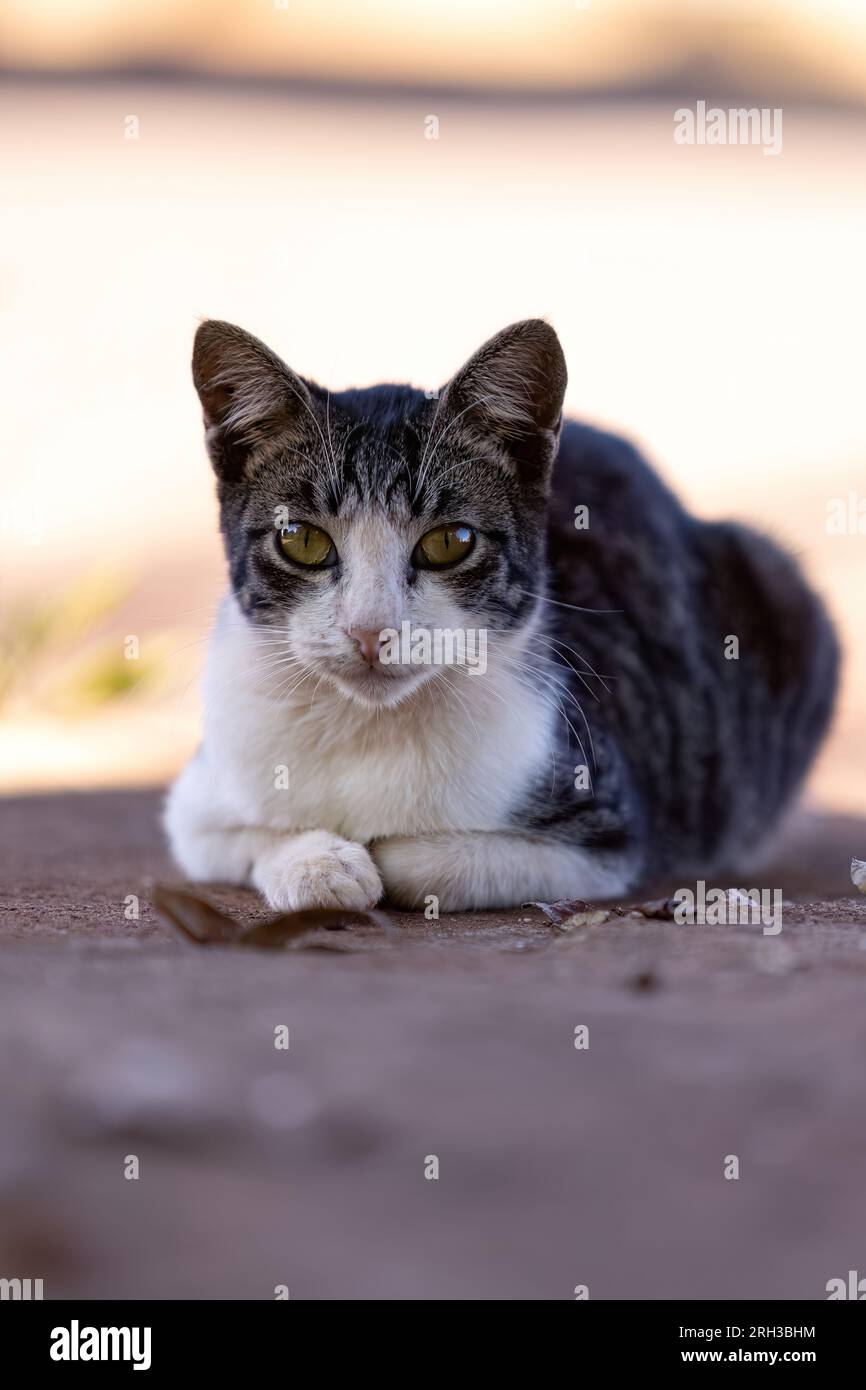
(459,754)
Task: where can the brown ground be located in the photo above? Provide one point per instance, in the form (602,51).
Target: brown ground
(558,1167)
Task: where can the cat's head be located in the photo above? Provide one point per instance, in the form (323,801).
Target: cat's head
(346,515)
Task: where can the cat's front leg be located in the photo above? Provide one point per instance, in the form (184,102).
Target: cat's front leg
(209,843)
(316,869)
(312,868)
(487,869)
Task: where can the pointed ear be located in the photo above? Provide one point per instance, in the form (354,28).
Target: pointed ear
(247,393)
(511,391)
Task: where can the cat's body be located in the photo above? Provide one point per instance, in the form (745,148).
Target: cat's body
(655,686)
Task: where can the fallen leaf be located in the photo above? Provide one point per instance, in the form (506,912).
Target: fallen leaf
(560,911)
(193,918)
(583,919)
(565,907)
(663,908)
(288,927)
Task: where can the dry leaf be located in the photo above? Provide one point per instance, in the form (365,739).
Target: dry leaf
(558,912)
(193,918)
(197,920)
(279,932)
(663,908)
(583,919)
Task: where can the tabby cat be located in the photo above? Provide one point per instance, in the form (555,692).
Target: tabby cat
(654,686)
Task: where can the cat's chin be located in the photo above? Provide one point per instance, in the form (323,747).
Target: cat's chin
(373,690)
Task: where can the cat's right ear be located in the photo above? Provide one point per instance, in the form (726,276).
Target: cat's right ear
(247,394)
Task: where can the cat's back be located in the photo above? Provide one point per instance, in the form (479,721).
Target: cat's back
(618,538)
(722,661)
(606,475)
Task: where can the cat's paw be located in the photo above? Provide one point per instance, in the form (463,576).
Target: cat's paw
(317,869)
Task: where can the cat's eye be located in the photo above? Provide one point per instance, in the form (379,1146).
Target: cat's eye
(444,546)
(307,545)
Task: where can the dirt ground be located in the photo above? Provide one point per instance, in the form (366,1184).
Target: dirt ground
(261,1167)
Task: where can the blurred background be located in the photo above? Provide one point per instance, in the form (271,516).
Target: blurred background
(374,187)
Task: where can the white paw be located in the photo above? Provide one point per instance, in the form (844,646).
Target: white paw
(317,869)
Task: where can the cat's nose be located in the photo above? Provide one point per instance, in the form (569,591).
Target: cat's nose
(368,643)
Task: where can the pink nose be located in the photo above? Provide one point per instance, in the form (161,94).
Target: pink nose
(367,642)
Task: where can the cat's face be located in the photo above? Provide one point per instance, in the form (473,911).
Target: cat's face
(346,516)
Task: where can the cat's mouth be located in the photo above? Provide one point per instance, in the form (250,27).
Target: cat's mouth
(376,686)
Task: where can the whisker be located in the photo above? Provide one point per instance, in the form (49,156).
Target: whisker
(557,642)
(546,677)
(555,705)
(555,654)
(573,606)
(422,472)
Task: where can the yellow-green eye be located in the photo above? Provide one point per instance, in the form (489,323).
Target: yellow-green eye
(307,545)
(444,546)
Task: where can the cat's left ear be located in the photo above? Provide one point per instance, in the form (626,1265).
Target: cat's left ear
(511,392)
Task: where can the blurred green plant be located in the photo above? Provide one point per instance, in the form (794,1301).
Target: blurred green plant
(61,653)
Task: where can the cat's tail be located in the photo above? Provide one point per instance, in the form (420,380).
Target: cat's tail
(780,661)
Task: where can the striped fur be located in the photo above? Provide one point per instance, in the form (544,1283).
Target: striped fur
(612,737)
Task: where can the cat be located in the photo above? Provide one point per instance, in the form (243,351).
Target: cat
(654,686)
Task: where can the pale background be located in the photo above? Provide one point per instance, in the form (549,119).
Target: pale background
(711,300)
